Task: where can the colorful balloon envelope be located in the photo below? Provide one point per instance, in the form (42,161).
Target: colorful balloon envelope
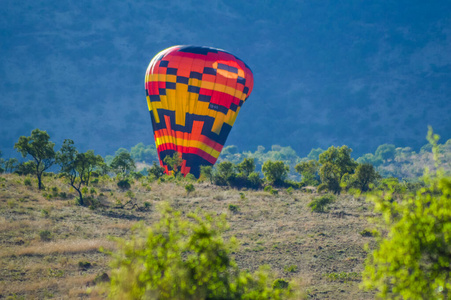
(194,95)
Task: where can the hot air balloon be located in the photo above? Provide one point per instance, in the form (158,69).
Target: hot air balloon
(194,95)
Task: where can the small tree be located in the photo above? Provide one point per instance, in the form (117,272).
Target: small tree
(123,163)
(39,147)
(156,171)
(207,172)
(225,173)
(26,168)
(275,172)
(364,175)
(335,162)
(189,188)
(11,165)
(247,166)
(309,172)
(77,167)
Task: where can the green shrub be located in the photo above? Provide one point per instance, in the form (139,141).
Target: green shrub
(101,277)
(45,213)
(234,208)
(291,269)
(369,233)
(190,177)
(412,261)
(45,235)
(129,194)
(268,188)
(84,265)
(124,184)
(27,181)
(280,283)
(319,204)
(151,265)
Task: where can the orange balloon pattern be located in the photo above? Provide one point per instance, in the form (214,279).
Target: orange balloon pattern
(194,95)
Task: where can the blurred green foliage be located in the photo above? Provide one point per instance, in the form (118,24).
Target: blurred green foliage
(186,258)
(412,260)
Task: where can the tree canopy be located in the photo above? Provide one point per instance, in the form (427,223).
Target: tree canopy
(40,148)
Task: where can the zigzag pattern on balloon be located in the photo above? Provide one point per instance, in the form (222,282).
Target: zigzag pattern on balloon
(194,95)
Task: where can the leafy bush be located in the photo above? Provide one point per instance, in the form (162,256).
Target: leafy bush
(124,184)
(84,265)
(27,181)
(291,268)
(369,233)
(151,265)
(156,171)
(413,260)
(280,284)
(319,204)
(234,208)
(45,235)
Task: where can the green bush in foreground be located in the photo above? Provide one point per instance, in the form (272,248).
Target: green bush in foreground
(413,260)
(185,258)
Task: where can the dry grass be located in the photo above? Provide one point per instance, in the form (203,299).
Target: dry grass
(65,247)
(279,231)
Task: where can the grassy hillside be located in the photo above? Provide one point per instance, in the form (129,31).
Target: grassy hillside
(50,246)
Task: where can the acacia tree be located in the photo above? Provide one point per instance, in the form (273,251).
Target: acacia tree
(39,147)
(413,261)
(77,167)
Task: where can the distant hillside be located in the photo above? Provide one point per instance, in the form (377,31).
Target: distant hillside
(340,73)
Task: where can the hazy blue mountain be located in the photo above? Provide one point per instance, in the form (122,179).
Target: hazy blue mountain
(360,73)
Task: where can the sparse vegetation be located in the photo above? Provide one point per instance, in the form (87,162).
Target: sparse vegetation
(44,232)
(76,233)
